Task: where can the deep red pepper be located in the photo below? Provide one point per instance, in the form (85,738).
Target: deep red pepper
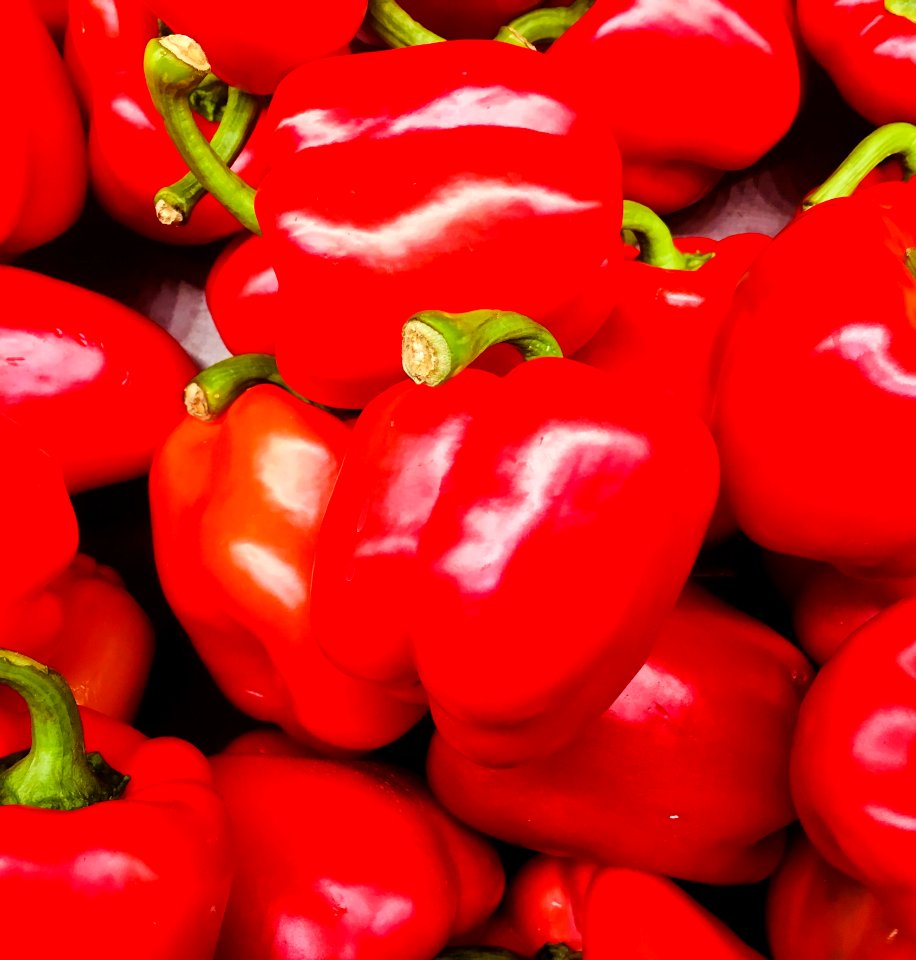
(516,206)
(53,14)
(869,50)
(255,48)
(130,155)
(345,860)
(460,542)
(853,780)
(97,384)
(145,863)
(817,382)
(44,160)
(661,65)
(816,912)
(234,539)
(685,774)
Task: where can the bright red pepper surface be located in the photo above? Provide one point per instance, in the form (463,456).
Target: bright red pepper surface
(686,774)
(130,154)
(345,860)
(234,538)
(43,166)
(666,323)
(853,780)
(150,870)
(817,387)
(456,19)
(53,14)
(660,66)
(454,176)
(97,384)
(869,50)
(819,913)
(458,559)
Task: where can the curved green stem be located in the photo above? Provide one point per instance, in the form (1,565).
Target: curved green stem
(476,953)
(902,8)
(436,345)
(893,139)
(656,245)
(175,66)
(56,773)
(546,23)
(391,23)
(175,202)
(215,389)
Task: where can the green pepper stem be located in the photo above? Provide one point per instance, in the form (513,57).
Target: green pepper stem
(902,8)
(911,260)
(893,139)
(558,951)
(656,245)
(545,23)
(394,25)
(476,953)
(175,202)
(215,389)
(175,66)
(56,773)
(436,345)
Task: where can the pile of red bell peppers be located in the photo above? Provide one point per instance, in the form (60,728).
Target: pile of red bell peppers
(531,571)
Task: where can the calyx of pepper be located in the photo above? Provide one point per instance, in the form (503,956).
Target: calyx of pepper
(56,772)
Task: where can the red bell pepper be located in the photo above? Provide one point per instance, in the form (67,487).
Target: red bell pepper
(44,158)
(130,155)
(139,856)
(53,14)
(670,309)
(524,183)
(98,385)
(461,536)
(345,860)
(685,774)
(819,913)
(817,469)
(852,772)
(869,50)
(661,66)
(255,48)
(555,908)
(234,542)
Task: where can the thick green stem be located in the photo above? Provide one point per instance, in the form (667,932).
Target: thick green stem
(902,8)
(56,773)
(891,140)
(546,23)
(175,202)
(213,390)
(175,66)
(911,260)
(656,245)
(394,25)
(436,345)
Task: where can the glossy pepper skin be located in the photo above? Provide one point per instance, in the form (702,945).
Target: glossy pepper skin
(53,14)
(460,542)
(130,155)
(818,470)
(345,860)
(234,541)
(255,50)
(151,869)
(869,50)
(851,770)
(660,67)
(524,184)
(43,168)
(685,774)
(817,912)
(98,385)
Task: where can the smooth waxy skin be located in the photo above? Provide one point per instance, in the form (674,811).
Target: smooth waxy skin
(817,387)
(454,176)
(660,65)
(868,51)
(475,523)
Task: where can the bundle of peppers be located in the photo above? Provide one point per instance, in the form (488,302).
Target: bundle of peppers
(536,578)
